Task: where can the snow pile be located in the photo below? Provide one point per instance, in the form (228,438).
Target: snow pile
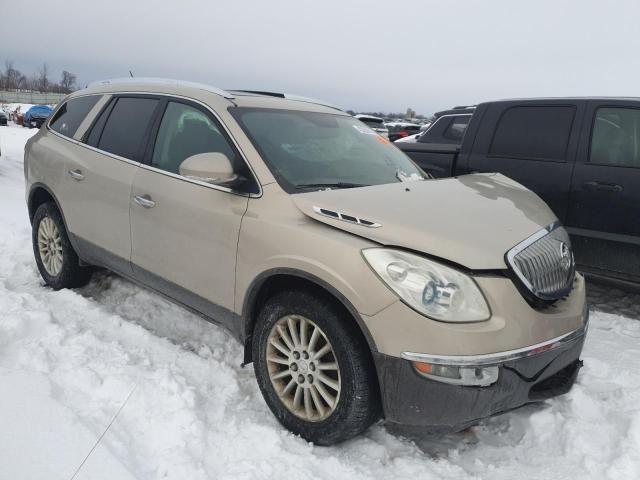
(70,360)
(24,107)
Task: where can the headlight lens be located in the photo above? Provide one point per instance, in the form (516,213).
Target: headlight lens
(433,289)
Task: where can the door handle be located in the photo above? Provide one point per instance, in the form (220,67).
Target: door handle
(145,201)
(76,174)
(604,187)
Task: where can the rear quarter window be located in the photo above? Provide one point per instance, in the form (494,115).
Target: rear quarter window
(70,115)
(534,132)
(455,130)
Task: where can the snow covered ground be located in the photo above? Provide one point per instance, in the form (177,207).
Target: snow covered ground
(71,360)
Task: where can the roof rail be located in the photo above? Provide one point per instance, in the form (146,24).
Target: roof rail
(164,81)
(289,96)
(262,92)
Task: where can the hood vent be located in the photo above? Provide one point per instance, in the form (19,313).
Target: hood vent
(345,218)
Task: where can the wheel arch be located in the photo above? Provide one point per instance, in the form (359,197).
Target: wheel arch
(272,281)
(39,193)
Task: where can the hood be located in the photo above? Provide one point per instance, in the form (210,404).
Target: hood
(471,220)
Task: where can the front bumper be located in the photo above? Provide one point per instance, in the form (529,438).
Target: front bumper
(413,403)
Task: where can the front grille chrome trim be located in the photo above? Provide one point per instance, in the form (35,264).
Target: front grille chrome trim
(541,264)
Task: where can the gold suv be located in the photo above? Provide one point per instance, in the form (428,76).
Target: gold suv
(360,287)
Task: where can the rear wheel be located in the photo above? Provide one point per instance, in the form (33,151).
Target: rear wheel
(57,262)
(314,368)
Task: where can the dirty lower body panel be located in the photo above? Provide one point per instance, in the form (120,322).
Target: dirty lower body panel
(415,404)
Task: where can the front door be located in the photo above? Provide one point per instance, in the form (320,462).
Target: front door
(604,214)
(185,232)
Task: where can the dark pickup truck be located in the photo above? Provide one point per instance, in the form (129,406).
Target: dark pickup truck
(580,155)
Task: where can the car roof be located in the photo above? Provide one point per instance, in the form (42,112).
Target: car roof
(563,99)
(214,96)
(455,111)
(362,116)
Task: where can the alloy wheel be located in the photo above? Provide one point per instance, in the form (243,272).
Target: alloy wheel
(303,368)
(50,246)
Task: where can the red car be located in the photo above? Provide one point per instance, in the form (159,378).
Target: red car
(17,116)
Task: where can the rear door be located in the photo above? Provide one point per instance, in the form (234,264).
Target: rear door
(604,215)
(532,143)
(98,177)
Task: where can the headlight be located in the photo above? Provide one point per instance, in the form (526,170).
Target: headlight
(433,289)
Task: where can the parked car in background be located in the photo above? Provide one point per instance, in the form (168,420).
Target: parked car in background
(4,119)
(402,129)
(36,116)
(409,139)
(375,123)
(414,138)
(318,245)
(580,155)
(17,116)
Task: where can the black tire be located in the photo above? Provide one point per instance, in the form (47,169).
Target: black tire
(71,275)
(358,405)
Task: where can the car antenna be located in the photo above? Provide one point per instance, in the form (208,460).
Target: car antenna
(131,73)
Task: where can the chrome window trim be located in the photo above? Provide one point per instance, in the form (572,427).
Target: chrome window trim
(501,357)
(163,172)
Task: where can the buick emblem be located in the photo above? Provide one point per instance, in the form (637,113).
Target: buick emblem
(565,257)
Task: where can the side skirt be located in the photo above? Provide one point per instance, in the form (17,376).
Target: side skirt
(94,255)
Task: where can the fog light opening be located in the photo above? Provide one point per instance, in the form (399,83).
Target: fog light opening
(475,376)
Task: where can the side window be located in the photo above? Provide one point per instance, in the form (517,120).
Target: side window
(186,131)
(456,129)
(616,137)
(69,117)
(126,126)
(534,132)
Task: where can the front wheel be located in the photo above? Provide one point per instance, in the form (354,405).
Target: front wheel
(57,262)
(314,368)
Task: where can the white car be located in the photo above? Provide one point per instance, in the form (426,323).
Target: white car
(410,138)
(375,123)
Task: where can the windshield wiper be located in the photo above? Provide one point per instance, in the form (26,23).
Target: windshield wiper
(331,185)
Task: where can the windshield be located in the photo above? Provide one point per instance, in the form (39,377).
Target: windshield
(314,150)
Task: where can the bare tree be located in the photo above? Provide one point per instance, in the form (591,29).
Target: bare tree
(21,82)
(33,82)
(11,75)
(68,81)
(43,78)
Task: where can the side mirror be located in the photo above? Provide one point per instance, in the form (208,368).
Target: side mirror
(209,167)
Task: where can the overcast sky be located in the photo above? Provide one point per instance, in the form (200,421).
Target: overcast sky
(358,54)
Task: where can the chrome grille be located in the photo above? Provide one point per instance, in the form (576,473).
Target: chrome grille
(544,263)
